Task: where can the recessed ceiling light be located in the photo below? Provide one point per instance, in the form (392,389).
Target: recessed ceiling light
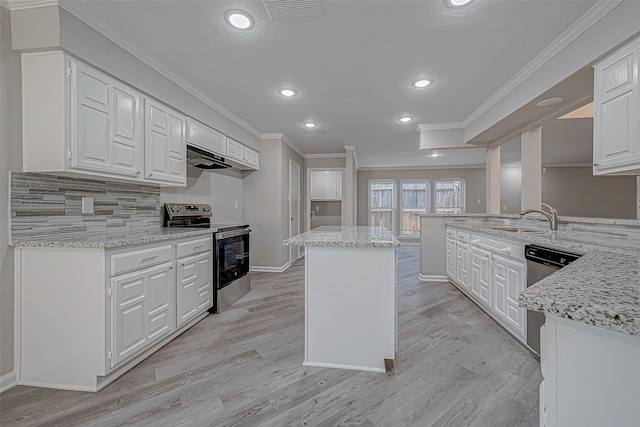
(287,92)
(239,19)
(435,155)
(458,3)
(405,119)
(549,101)
(422,82)
(310,125)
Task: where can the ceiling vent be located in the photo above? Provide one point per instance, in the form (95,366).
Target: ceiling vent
(290,9)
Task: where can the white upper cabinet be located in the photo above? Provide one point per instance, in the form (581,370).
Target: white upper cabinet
(203,137)
(106,136)
(165,143)
(235,150)
(326,185)
(616,134)
(251,157)
(79,120)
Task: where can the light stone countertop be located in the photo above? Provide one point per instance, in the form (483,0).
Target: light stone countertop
(346,237)
(111,240)
(601,288)
(561,219)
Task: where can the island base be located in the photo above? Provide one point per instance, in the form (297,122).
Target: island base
(350,307)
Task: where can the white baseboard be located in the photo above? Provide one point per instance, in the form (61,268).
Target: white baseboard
(340,366)
(265,269)
(7,381)
(432,278)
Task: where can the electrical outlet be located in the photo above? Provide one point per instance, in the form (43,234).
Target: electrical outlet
(236,204)
(87,205)
(504,208)
(317,208)
(478,201)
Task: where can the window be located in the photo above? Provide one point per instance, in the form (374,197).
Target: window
(449,196)
(382,203)
(413,200)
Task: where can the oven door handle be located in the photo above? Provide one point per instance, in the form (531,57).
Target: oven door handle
(232,233)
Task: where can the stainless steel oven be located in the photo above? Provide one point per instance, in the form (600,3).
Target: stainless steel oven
(231,277)
(231,270)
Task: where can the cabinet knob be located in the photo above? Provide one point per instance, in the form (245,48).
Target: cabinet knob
(138,173)
(596,165)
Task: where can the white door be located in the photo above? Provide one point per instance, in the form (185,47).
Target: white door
(294,207)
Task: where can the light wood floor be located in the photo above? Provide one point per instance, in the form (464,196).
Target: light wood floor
(454,367)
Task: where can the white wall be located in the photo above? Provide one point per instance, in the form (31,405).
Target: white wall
(10,159)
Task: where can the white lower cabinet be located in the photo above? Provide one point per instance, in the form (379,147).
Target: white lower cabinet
(481,275)
(144,309)
(509,280)
(115,309)
(492,272)
(195,286)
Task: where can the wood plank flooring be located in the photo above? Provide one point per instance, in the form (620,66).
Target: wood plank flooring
(454,367)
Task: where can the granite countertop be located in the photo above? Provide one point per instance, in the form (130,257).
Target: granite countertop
(578,241)
(561,219)
(601,288)
(110,240)
(346,237)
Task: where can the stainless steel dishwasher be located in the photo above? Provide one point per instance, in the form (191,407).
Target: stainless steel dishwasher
(542,262)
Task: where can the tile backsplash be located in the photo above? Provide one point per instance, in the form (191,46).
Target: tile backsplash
(49,206)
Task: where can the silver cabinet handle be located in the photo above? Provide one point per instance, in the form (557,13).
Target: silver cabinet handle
(198,247)
(150,258)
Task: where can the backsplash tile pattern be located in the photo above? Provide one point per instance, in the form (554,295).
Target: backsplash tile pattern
(49,206)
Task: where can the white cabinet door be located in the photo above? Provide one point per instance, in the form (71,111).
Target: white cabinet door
(462,264)
(480,286)
(251,157)
(326,185)
(616,145)
(105,135)
(205,138)
(509,280)
(142,309)
(195,286)
(165,144)
(451,258)
(235,150)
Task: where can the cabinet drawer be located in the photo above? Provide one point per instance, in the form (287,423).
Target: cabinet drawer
(462,237)
(451,233)
(122,263)
(194,247)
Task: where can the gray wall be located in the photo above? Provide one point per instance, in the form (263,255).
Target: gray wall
(474,182)
(10,159)
(574,191)
(266,205)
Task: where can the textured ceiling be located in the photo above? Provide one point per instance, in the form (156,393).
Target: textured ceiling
(352,66)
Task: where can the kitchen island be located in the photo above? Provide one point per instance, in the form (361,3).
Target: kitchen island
(350,296)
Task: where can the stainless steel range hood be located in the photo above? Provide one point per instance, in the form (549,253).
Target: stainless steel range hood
(202,159)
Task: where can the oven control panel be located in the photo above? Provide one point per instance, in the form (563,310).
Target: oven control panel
(175,210)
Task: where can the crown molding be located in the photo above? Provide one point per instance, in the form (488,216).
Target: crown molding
(5,4)
(593,15)
(439,126)
(283,138)
(325,156)
(106,30)
(355,156)
(13,5)
(405,168)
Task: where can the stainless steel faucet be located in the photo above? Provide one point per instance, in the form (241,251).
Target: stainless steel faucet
(552,215)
